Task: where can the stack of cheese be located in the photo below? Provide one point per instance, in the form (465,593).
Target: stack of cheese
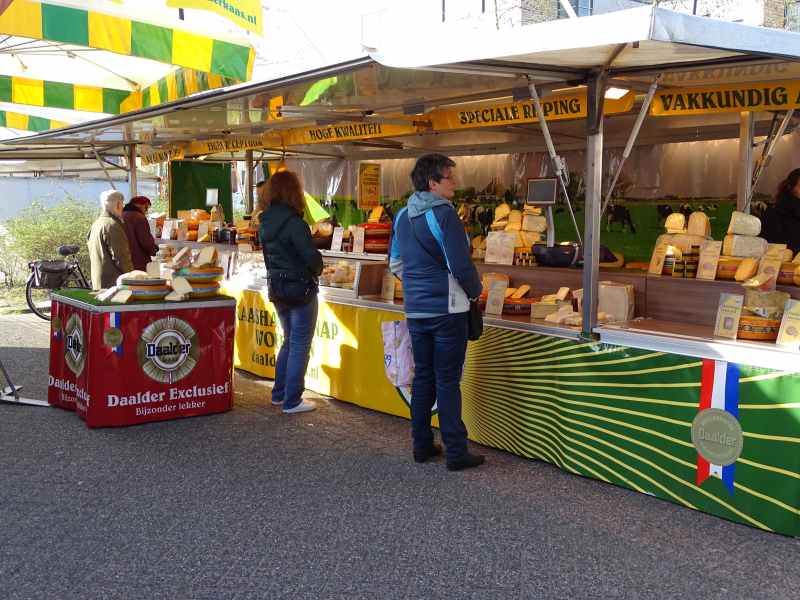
(683,235)
(127,293)
(742,239)
(194,277)
(502,218)
(165,252)
(761,315)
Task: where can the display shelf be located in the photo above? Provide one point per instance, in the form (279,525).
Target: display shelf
(699,341)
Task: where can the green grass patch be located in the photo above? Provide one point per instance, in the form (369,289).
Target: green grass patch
(85,296)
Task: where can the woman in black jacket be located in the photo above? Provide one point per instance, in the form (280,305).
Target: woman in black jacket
(781,223)
(293,264)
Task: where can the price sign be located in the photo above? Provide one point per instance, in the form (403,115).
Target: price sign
(497,296)
(492,247)
(709,258)
(728,314)
(338,235)
(358,239)
(387,292)
(659,256)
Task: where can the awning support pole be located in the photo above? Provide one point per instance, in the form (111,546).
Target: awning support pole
(554,158)
(249,159)
(97,156)
(747,124)
(632,139)
(765,159)
(595,94)
(132,170)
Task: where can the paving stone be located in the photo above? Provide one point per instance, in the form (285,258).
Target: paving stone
(255,504)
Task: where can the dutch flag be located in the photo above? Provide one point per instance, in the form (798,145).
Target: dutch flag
(719,388)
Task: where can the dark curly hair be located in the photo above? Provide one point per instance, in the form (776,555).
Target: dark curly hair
(430,166)
(786,186)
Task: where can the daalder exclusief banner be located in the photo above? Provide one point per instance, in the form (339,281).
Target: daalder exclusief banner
(244,13)
(122,368)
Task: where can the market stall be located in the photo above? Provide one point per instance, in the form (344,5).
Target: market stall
(629,401)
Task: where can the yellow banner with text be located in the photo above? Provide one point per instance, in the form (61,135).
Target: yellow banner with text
(346,352)
(729,98)
(152,157)
(337,133)
(244,13)
(212,146)
(572,106)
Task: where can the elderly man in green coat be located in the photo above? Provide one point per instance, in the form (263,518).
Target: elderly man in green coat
(109,250)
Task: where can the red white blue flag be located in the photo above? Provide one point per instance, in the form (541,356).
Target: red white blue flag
(112,320)
(719,388)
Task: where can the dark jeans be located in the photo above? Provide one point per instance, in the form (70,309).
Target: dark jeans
(440,345)
(298,325)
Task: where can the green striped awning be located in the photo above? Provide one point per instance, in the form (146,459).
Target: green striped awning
(120,30)
(28,122)
(52,94)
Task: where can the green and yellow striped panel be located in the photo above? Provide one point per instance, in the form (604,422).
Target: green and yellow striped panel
(624,416)
(52,94)
(42,21)
(27,122)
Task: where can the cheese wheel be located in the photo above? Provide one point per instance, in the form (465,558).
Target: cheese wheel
(147,292)
(377,245)
(191,235)
(376,230)
(786,273)
(727,266)
(194,224)
(758,328)
(204,289)
(744,245)
(618,264)
(796,276)
(193,274)
(675,221)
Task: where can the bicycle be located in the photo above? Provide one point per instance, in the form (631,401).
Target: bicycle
(47,276)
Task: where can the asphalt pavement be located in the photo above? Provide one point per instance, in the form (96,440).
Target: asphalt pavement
(253,503)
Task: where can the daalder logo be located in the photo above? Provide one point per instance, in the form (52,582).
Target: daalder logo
(74,348)
(168,350)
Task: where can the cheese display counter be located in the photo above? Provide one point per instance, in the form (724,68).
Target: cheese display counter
(136,363)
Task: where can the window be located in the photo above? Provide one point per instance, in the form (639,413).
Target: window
(793,16)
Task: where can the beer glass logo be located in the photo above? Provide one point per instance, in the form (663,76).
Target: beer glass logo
(74,351)
(168,350)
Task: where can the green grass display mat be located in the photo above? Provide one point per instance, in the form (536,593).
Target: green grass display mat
(85,296)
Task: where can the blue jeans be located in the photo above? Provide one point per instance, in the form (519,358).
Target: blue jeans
(439,345)
(298,325)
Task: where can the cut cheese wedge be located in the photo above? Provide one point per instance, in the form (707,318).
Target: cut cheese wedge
(206,256)
(176,297)
(153,270)
(123,297)
(744,224)
(757,282)
(180,285)
(560,319)
(787,255)
(746,269)
(510,292)
(564,310)
(521,291)
(562,293)
(108,294)
(539,310)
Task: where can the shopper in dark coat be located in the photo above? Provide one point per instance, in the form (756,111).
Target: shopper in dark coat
(781,223)
(289,250)
(143,245)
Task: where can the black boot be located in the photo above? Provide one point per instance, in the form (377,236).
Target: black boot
(472,460)
(433,450)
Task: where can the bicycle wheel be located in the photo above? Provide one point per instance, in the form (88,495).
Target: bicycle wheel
(39,300)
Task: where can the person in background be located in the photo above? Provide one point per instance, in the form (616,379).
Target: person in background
(289,250)
(256,210)
(142,244)
(429,252)
(780,224)
(109,251)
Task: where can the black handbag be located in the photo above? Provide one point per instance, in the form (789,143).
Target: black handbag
(474,314)
(291,289)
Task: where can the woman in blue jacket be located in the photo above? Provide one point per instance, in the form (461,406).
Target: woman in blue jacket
(292,259)
(429,252)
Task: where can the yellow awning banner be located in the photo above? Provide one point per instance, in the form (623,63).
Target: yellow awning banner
(571,106)
(152,157)
(730,98)
(244,13)
(337,133)
(212,146)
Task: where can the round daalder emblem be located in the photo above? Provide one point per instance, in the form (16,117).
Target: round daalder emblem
(717,436)
(74,350)
(168,350)
(112,337)
(55,323)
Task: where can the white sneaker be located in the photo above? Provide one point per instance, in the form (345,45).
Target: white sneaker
(304,406)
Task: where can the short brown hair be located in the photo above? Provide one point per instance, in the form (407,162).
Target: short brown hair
(282,188)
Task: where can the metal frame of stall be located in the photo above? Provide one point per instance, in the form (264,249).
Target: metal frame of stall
(590,51)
